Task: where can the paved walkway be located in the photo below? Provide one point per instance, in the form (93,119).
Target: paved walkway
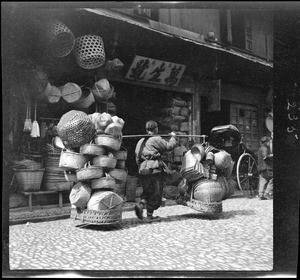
(240,239)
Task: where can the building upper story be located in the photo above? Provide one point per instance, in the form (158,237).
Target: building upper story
(247,31)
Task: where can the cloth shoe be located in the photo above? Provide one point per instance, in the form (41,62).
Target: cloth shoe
(138,208)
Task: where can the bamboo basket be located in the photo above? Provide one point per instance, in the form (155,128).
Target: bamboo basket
(71,160)
(70,176)
(119,174)
(121,155)
(80,194)
(86,100)
(105,161)
(54,95)
(103,183)
(110,142)
(29,179)
(89,172)
(92,149)
(71,92)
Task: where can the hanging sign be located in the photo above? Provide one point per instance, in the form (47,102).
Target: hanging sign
(155,71)
(214,96)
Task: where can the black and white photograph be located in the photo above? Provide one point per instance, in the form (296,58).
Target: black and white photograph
(150,139)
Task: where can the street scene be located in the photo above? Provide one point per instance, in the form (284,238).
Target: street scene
(238,239)
(139,138)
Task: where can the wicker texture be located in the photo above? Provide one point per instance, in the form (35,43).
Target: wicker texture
(86,100)
(94,217)
(110,142)
(205,208)
(89,51)
(102,90)
(105,161)
(75,129)
(71,92)
(119,174)
(103,183)
(208,191)
(29,180)
(54,95)
(222,160)
(105,200)
(121,155)
(59,39)
(92,149)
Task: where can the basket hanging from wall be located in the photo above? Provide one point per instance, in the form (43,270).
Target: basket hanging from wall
(71,92)
(89,51)
(59,39)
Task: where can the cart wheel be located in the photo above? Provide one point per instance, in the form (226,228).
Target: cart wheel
(247,175)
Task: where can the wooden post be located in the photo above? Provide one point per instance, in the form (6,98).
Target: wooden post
(30,202)
(60,199)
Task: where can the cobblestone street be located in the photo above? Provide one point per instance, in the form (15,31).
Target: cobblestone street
(240,239)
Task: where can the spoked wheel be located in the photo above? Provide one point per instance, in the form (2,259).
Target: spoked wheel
(247,175)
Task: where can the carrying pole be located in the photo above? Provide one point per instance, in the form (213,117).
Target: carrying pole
(162,135)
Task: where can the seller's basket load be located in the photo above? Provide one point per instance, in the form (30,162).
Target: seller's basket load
(222,160)
(102,90)
(80,194)
(89,172)
(110,142)
(106,182)
(105,200)
(75,129)
(105,161)
(208,191)
(70,160)
(92,149)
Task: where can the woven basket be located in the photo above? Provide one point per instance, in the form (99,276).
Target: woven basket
(105,200)
(121,155)
(121,164)
(80,194)
(71,92)
(103,183)
(92,149)
(198,151)
(208,191)
(110,142)
(89,51)
(114,129)
(120,189)
(75,129)
(86,100)
(71,161)
(59,39)
(94,217)
(46,92)
(102,90)
(29,180)
(89,172)
(205,208)
(118,174)
(105,161)
(222,160)
(70,176)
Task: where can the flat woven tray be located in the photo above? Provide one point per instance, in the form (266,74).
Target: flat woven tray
(100,217)
(207,208)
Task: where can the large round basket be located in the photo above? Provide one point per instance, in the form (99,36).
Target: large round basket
(118,174)
(86,100)
(105,161)
(89,172)
(54,95)
(89,51)
(198,151)
(102,90)
(29,179)
(80,194)
(59,39)
(205,208)
(75,129)
(110,142)
(72,161)
(103,183)
(97,217)
(208,191)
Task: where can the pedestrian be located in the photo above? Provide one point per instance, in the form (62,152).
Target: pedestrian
(152,169)
(265,169)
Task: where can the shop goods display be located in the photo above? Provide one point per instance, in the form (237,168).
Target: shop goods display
(102,90)
(131,185)
(75,129)
(89,51)
(71,92)
(58,38)
(35,130)
(80,194)
(100,121)
(208,191)
(105,161)
(71,160)
(86,100)
(89,172)
(54,95)
(71,176)
(104,183)
(92,149)
(114,65)
(28,123)
(114,129)
(108,141)
(118,174)
(27,164)
(105,200)
(29,179)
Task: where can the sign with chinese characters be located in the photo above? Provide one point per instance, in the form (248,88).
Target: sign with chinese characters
(155,71)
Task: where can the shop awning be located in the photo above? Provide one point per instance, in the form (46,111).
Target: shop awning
(158,27)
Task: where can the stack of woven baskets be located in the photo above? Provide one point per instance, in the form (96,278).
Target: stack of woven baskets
(28,174)
(95,162)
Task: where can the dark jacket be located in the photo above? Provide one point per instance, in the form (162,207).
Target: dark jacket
(263,152)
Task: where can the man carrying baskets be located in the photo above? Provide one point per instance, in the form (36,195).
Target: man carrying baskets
(152,169)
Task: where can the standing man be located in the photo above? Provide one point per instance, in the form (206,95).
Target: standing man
(152,169)
(265,169)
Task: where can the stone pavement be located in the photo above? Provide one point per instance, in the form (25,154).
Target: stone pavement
(239,239)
